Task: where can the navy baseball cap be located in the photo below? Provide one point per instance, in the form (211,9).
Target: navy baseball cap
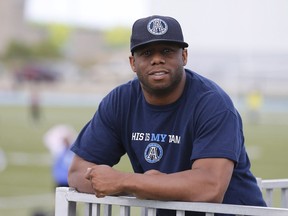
(156,28)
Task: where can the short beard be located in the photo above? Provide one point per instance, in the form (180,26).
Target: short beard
(162,92)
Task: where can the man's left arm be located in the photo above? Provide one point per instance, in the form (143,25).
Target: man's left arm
(206,181)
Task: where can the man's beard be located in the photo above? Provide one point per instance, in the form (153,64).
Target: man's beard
(161,91)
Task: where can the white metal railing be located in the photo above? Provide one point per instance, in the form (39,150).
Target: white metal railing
(270,186)
(67,199)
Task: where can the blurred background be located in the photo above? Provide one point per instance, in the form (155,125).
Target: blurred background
(58,58)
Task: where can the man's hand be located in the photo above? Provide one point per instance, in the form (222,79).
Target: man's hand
(105,180)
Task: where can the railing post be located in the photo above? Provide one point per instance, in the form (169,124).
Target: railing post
(284,197)
(107,210)
(124,210)
(95,210)
(143,211)
(92,209)
(180,213)
(259,182)
(62,206)
(269,197)
(151,212)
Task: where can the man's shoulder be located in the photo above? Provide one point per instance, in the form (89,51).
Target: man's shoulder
(201,82)
(202,87)
(125,91)
(132,86)
(196,76)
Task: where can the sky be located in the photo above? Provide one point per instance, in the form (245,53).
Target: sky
(91,13)
(222,25)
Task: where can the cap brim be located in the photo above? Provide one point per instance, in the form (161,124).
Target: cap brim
(180,43)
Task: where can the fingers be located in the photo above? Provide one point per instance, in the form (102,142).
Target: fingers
(99,195)
(87,174)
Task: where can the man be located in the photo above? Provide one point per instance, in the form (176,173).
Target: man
(182,134)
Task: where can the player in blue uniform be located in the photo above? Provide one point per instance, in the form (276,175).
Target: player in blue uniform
(181,131)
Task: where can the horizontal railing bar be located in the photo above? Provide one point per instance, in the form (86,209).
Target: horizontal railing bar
(74,196)
(274,183)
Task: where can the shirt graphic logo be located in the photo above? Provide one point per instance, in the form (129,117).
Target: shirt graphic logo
(157,27)
(153,153)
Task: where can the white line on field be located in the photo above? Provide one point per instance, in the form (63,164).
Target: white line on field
(24,159)
(30,201)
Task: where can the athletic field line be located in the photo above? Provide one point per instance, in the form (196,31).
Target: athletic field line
(28,201)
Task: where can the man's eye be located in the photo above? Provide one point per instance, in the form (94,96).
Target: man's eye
(167,51)
(146,53)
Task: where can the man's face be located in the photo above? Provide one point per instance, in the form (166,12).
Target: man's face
(159,67)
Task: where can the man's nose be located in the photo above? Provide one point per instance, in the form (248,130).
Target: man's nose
(157,58)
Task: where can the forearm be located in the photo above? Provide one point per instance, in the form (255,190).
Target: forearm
(207,181)
(182,186)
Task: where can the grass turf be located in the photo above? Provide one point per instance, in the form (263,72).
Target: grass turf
(266,144)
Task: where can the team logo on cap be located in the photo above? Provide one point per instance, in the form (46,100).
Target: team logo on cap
(153,153)
(157,26)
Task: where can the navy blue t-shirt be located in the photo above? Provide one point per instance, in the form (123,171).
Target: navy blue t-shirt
(202,123)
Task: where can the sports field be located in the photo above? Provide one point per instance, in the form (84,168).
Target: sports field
(26,184)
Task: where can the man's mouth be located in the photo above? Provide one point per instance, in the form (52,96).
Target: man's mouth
(158,75)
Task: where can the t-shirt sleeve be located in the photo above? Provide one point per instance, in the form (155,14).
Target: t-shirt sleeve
(219,131)
(99,141)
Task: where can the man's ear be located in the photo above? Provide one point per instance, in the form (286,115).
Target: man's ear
(132,63)
(184,56)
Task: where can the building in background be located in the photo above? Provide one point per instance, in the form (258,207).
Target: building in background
(83,45)
(14,27)
(237,44)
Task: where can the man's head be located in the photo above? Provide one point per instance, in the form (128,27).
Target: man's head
(158,58)
(156,29)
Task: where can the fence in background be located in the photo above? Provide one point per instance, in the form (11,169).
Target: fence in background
(67,198)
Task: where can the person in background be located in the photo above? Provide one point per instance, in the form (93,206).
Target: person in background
(58,140)
(255,103)
(35,108)
(180,130)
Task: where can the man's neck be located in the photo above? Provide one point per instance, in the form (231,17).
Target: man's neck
(165,99)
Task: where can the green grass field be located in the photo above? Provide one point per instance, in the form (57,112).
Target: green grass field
(27,187)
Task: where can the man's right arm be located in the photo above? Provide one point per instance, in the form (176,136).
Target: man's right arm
(76,175)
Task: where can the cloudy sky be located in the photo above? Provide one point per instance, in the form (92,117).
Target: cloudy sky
(94,13)
(222,25)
